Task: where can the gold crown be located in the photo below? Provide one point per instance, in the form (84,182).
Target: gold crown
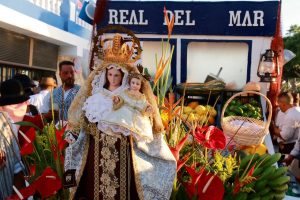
(119,51)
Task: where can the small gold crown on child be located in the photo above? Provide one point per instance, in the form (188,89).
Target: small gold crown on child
(141,73)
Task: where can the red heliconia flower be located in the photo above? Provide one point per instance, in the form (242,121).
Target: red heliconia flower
(251,171)
(32,169)
(211,137)
(175,150)
(26,149)
(210,186)
(194,174)
(27,146)
(48,183)
(241,182)
(237,185)
(181,162)
(59,137)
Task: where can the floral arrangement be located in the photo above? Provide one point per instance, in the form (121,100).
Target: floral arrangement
(42,149)
(209,165)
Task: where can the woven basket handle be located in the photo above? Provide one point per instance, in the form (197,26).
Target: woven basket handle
(249,92)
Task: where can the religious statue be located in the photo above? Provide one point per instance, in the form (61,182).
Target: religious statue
(115,131)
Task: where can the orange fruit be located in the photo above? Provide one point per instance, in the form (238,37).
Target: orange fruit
(211,120)
(201,110)
(193,104)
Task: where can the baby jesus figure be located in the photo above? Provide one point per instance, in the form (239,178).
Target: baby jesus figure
(131,113)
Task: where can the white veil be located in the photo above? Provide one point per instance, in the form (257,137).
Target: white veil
(97,106)
(100,80)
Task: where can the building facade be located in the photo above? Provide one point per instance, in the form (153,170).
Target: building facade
(36,34)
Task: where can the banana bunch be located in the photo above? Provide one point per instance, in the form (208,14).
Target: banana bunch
(270,183)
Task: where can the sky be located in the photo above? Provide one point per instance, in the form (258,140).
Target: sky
(290,14)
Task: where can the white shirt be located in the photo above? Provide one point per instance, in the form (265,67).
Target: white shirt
(290,125)
(41,101)
(279,119)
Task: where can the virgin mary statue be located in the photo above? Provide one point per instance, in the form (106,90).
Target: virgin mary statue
(110,165)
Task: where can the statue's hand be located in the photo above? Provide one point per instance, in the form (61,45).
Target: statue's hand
(149,110)
(71,137)
(116,99)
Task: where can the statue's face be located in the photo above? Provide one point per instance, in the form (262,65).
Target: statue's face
(114,77)
(135,84)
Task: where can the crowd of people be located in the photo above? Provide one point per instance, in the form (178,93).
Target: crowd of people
(286,135)
(20,100)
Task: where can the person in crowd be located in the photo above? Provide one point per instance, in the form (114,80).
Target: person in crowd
(288,131)
(13,106)
(28,86)
(36,82)
(26,82)
(292,160)
(64,95)
(42,100)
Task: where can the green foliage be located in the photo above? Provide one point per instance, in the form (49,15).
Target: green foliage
(292,42)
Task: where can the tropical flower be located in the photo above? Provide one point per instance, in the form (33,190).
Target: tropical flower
(43,153)
(210,186)
(170,23)
(51,180)
(27,146)
(175,150)
(211,137)
(160,68)
(46,185)
(169,111)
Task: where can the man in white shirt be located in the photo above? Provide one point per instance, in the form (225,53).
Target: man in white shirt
(42,100)
(64,95)
(288,132)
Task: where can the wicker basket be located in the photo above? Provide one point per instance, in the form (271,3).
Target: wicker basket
(245,130)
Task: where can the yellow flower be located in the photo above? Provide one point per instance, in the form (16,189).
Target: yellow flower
(165,118)
(230,164)
(224,166)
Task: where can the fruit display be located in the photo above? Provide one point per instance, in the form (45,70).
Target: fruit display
(260,149)
(250,109)
(194,112)
(269,182)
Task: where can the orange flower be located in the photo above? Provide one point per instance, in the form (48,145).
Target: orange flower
(170,24)
(170,106)
(160,69)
